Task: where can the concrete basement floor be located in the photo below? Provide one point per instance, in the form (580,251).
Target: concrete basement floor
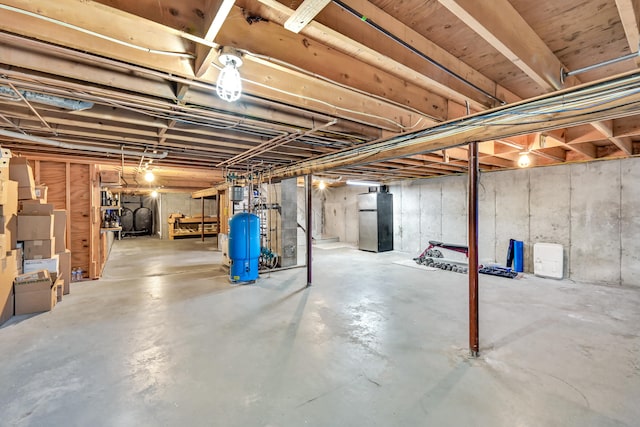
(164,339)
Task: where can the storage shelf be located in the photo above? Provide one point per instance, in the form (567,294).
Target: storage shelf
(110,208)
(192,226)
(104,230)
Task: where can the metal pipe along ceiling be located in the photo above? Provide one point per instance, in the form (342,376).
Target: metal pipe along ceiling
(58,144)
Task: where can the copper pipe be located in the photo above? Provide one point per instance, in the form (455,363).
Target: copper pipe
(474,341)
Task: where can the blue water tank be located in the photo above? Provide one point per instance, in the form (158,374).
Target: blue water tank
(244,247)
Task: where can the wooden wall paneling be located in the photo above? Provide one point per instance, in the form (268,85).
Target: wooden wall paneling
(36,172)
(67,180)
(80,213)
(96,243)
(54,176)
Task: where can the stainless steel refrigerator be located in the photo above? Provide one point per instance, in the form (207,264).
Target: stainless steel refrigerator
(375,221)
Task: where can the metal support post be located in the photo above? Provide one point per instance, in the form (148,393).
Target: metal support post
(474,341)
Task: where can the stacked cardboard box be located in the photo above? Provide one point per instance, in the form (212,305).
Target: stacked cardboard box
(36,230)
(8,237)
(34,292)
(20,171)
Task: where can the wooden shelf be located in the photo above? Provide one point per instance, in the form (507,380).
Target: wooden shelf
(110,208)
(192,226)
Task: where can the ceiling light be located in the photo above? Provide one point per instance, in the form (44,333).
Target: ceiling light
(304,14)
(149,176)
(524,160)
(364,183)
(322,185)
(154,194)
(229,84)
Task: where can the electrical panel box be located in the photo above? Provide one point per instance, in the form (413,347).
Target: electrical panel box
(548,260)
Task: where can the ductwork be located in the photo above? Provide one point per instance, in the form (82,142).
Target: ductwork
(68,146)
(41,98)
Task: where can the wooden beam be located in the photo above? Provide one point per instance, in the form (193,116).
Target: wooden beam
(629,11)
(501,25)
(606,128)
(216,12)
(332,64)
(340,30)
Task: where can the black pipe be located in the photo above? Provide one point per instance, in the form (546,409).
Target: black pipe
(416,51)
(309,235)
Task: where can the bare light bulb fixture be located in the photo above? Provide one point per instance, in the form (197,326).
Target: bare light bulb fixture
(322,185)
(229,84)
(524,160)
(154,194)
(149,176)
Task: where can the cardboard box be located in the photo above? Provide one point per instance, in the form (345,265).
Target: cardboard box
(19,257)
(35,227)
(35,207)
(3,246)
(65,269)
(3,192)
(34,293)
(60,229)
(8,273)
(41,193)
(59,285)
(9,214)
(39,249)
(26,193)
(52,265)
(20,170)
(110,177)
(4,170)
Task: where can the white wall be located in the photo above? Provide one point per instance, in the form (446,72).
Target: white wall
(592,209)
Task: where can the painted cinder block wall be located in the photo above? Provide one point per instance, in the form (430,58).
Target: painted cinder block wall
(592,209)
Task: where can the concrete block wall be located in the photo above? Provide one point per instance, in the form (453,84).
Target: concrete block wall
(591,209)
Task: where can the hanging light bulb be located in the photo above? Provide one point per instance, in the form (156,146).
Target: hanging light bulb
(229,84)
(322,185)
(149,176)
(154,194)
(524,160)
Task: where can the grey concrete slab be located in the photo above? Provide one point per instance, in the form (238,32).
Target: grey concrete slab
(630,223)
(411,207)
(550,209)
(454,210)
(487,219)
(164,339)
(430,211)
(512,212)
(595,222)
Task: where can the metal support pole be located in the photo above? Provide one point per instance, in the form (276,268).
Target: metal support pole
(308,225)
(202,219)
(474,341)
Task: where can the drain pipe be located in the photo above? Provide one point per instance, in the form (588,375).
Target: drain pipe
(416,51)
(58,144)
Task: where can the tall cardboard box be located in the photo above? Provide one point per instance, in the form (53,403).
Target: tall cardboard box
(60,229)
(34,293)
(41,193)
(65,269)
(20,171)
(3,246)
(35,227)
(8,273)
(39,249)
(9,214)
(5,156)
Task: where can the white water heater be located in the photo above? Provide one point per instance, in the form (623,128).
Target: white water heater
(548,260)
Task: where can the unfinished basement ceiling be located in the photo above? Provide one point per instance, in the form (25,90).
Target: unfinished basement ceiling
(144,73)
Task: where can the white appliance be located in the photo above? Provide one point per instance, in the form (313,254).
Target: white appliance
(548,260)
